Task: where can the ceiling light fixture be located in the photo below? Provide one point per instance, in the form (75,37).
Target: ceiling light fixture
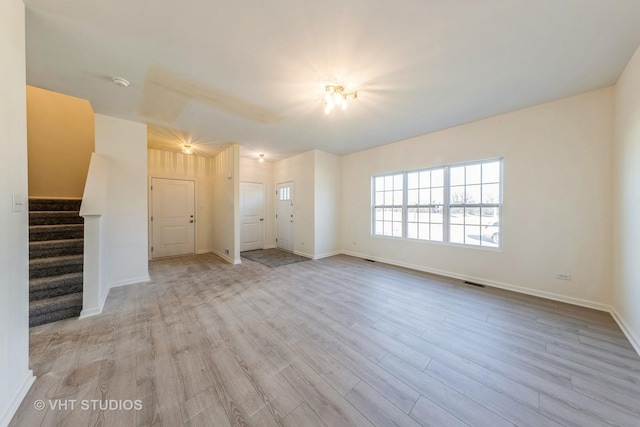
(186,149)
(261,158)
(336,96)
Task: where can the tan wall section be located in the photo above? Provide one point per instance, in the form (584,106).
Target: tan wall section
(60,140)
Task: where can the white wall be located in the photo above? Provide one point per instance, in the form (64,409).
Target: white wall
(327,204)
(16,378)
(226,202)
(165,164)
(252,170)
(626,186)
(557,199)
(125,221)
(300,170)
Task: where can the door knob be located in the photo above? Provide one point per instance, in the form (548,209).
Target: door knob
(261,219)
(191,221)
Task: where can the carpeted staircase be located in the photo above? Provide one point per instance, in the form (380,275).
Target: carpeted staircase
(56,247)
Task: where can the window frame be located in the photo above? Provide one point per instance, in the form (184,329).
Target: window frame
(447,205)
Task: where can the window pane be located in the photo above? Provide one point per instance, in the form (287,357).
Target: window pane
(437,177)
(456,215)
(412,230)
(397,182)
(379,198)
(472,234)
(379,183)
(387,214)
(456,234)
(379,214)
(388,183)
(397,197)
(412,215)
(425,179)
(456,175)
(472,216)
(457,195)
(491,172)
(491,193)
(423,215)
(423,231)
(437,196)
(378,227)
(387,229)
(472,194)
(412,180)
(388,198)
(473,174)
(397,214)
(424,196)
(412,197)
(397,229)
(436,232)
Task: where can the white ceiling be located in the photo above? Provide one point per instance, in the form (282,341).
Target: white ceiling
(252,71)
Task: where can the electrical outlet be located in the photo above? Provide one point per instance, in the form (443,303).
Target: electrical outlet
(563,276)
(226,251)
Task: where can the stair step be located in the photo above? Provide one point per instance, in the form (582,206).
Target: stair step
(55,248)
(55,232)
(54,266)
(53,309)
(54,217)
(54,204)
(53,286)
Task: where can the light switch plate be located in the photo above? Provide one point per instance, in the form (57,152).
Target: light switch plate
(16,203)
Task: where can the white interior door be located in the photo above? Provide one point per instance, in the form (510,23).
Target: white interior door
(173,217)
(284,216)
(251,216)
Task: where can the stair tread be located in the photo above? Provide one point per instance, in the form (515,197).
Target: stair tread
(55,242)
(37,281)
(50,226)
(70,300)
(56,259)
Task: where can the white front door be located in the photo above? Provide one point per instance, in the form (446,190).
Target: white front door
(251,216)
(173,217)
(284,216)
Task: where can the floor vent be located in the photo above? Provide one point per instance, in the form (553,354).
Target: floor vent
(474,284)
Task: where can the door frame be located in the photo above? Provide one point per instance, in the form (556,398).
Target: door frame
(150,211)
(275,216)
(264,226)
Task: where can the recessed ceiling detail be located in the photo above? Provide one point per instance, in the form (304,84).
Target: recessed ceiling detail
(166,94)
(179,141)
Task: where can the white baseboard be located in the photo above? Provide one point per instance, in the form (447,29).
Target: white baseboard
(204,251)
(224,256)
(96,310)
(506,286)
(634,340)
(269,247)
(127,282)
(304,254)
(17,398)
(328,254)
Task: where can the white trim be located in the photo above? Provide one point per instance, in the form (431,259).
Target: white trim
(204,251)
(270,247)
(506,286)
(95,311)
(304,254)
(327,255)
(224,257)
(635,341)
(17,399)
(127,282)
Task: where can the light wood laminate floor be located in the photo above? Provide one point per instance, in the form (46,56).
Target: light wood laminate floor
(336,342)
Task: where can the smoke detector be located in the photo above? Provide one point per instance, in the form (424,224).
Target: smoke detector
(120,81)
